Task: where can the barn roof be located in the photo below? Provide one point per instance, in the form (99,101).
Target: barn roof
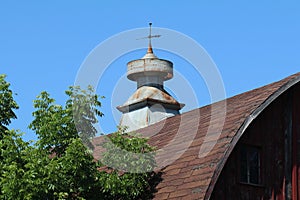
(193,147)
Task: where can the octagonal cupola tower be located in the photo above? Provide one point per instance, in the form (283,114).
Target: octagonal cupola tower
(150,103)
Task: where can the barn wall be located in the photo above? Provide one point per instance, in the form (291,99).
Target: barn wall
(296,143)
(280,159)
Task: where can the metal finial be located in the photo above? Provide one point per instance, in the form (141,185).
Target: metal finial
(150,36)
(150,27)
(150,45)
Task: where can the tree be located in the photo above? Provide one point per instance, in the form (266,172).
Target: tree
(56,125)
(7,105)
(59,164)
(127,152)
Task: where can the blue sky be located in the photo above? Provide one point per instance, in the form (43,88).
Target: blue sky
(44,43)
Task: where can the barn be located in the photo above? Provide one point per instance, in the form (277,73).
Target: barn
(250,153)
(256,155)
(243,147)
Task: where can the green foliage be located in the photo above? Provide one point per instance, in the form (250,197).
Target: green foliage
(22,168)
(130,160)
(55,125)
(59,165)
(75,173)
(7,104)
(29,173)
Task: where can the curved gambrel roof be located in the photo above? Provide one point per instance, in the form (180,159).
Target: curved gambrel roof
(194,177)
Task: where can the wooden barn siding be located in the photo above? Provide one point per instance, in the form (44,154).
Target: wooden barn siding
(296,142)
(268,133)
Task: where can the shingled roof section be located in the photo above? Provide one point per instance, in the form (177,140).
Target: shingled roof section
(193,175)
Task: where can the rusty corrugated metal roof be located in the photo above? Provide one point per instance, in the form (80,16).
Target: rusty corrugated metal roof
(150,93)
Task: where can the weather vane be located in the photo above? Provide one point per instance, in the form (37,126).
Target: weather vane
(150,36)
